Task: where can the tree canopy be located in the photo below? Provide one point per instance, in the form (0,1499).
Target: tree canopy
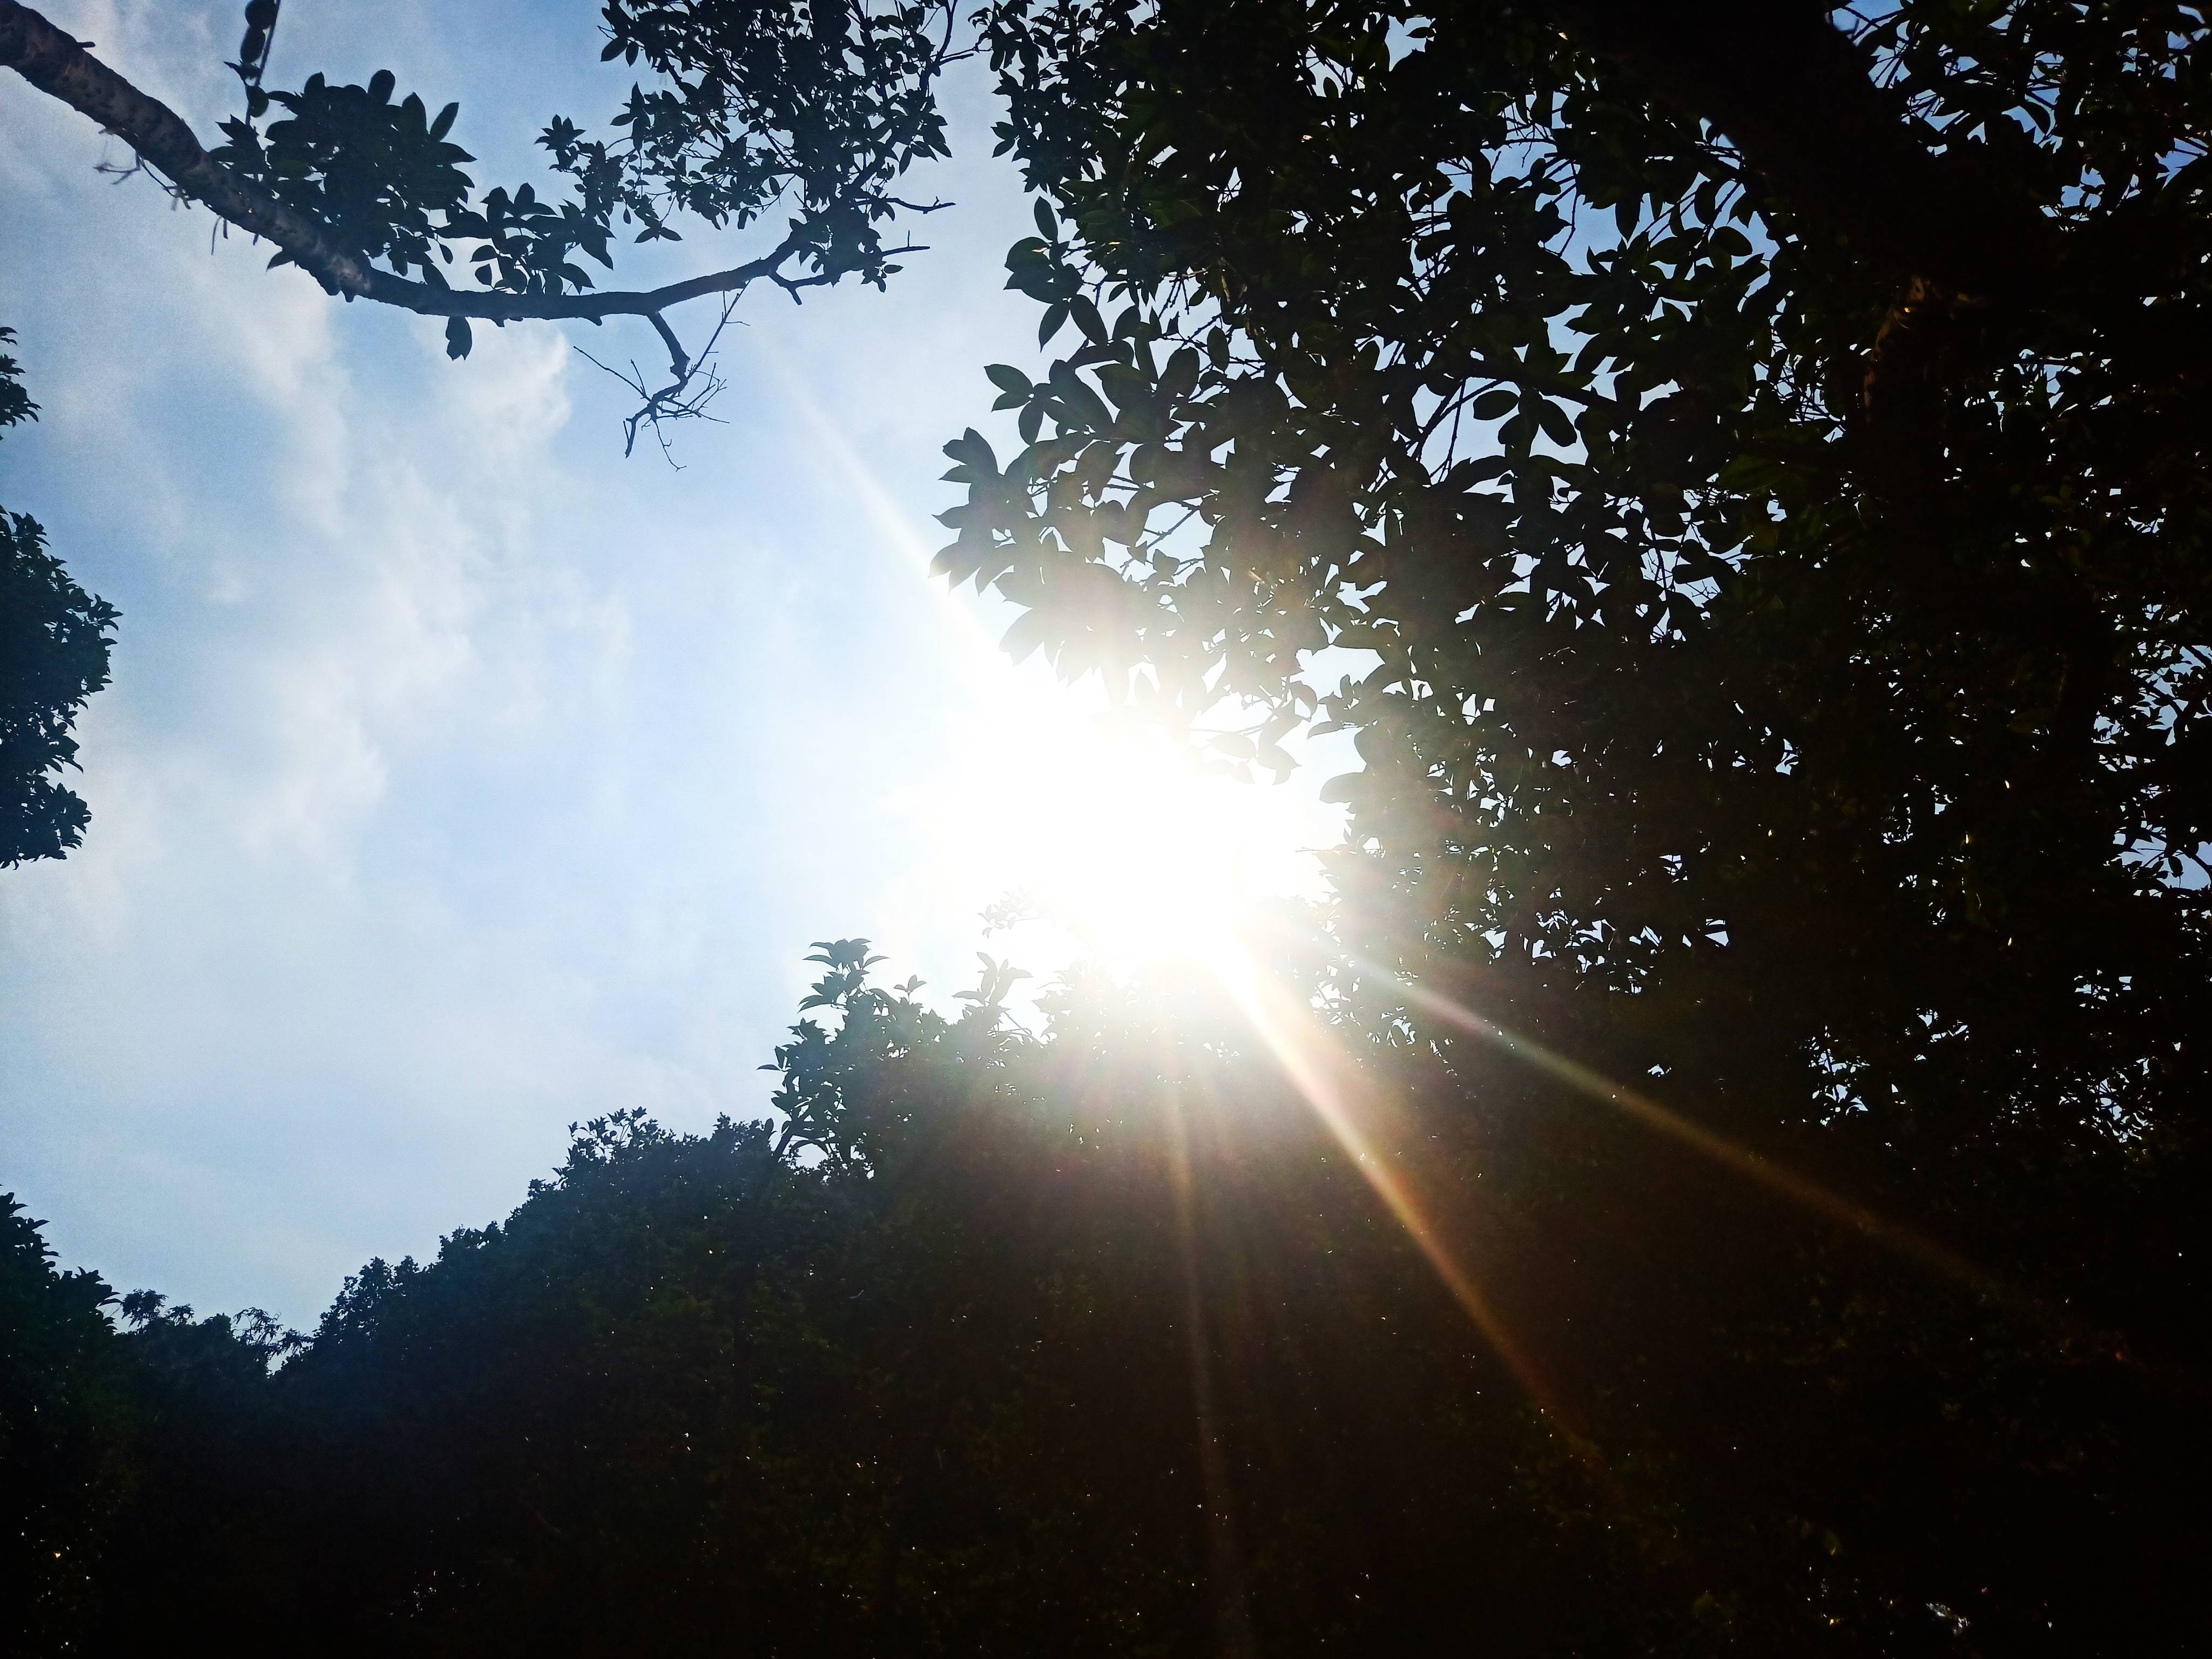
(1093,1339)
(54,640)
(1730,1172)
(811,114)
(1790,645)
(1785,574)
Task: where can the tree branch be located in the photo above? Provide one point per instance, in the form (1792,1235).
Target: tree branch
(52,60)
(679,400)
(678,364)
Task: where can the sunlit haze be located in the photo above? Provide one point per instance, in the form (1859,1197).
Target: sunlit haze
(1108,839)
(460,780)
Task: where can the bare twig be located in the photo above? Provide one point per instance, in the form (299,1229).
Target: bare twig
(695,384)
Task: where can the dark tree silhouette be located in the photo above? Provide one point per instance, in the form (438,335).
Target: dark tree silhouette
(1764,454)
(63,1412)
(54,640)
(1771,487)
(1096,1341)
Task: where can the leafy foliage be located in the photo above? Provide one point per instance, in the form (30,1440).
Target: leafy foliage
(1781,678)
(376,173)
(15,405)
(62,1406)
(1789,677)
(820,107)
(54,640)
(1094,1340)
(826,100)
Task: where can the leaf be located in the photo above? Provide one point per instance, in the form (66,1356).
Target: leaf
(973,454)
(1046,224)
(1751,474)
(1123,385)
(1085,407)
(1027,632)
(1179,379)
(458,340)
(1054,315)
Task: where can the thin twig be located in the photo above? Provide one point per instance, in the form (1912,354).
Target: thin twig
(695,384)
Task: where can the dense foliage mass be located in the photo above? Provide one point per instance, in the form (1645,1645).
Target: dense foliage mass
(1783,581)
(1098,1342)
(54,640)
(1791,671)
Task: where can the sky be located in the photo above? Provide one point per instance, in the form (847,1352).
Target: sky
(461,779)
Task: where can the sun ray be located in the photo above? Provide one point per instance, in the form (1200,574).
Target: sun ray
(1753,1166)
(1122,842)
(1351,1110)
(1233,1612)
(1141,857)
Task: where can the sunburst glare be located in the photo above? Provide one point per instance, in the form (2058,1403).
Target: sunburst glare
(1115,843)
(1121,842)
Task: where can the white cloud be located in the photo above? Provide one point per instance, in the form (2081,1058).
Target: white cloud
(460,778)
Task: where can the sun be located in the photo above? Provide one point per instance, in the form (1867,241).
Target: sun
(1116,837)
(1140,856)
(1078,836)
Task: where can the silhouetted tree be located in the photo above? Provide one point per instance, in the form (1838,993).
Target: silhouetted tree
(54,640)
(1786,571)
(1770,485)
(136,1465)
(1099,1339)
(1790,629)
(63,1437)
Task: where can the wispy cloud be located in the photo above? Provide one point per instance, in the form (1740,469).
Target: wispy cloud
(458,779)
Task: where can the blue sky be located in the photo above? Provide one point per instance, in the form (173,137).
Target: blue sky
(460,778)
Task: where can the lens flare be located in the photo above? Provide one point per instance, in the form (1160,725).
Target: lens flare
(1139,857)
(1363,1123)
(1779,1178)
(1114,836)
(1233,1614)
(1120,839)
